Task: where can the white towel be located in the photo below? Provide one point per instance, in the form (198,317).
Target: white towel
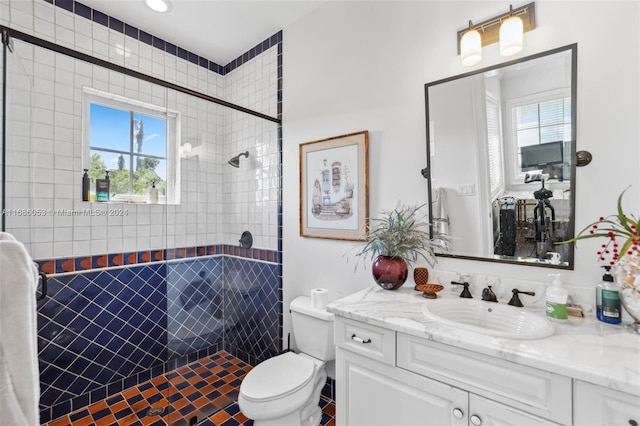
(440,213)
(19,379)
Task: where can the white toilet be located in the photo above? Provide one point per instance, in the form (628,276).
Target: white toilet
(285,390)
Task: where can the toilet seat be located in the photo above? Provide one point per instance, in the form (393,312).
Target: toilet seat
(277,377)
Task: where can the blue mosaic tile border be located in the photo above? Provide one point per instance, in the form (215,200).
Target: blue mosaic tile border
(108,260)
(159,43)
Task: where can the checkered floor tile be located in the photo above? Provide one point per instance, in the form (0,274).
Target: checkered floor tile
(180,398)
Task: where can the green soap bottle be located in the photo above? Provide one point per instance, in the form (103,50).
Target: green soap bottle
(556,299)
(102,188)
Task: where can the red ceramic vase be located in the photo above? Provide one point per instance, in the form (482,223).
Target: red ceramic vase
(389,272)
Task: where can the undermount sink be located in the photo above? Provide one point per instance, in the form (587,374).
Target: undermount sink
(489,318)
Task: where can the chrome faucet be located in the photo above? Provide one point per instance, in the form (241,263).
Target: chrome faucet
(489,295)
(515,300)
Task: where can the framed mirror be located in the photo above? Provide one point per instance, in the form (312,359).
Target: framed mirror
(501,160)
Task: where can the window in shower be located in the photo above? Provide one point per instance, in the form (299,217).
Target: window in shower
(136,142)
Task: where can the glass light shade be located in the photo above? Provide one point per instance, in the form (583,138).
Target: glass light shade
(511,36)
(471,48)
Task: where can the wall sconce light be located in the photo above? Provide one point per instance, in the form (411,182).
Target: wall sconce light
(511,34)
(471,46)
(507,28)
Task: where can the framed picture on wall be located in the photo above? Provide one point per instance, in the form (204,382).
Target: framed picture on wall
(334,187)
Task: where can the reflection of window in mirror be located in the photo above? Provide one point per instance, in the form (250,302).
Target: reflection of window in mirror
(494,149)
(535,120)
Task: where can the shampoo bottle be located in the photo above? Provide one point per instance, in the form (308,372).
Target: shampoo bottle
(556,297)
(102,188)
(153,193)
(608,299)
(85,185)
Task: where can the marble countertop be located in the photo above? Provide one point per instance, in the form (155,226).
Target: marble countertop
(581,348)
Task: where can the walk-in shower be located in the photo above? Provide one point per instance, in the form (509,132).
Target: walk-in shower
(137,289)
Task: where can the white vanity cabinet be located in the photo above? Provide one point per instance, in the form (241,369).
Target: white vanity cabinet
(371,393)
(387,378)
(595,406)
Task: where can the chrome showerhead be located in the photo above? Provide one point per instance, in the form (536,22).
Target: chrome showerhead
(235,161)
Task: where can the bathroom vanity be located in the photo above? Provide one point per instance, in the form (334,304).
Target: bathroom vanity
(397,366)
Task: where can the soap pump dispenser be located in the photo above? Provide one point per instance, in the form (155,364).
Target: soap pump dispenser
(556,297)
(608,299)
(103,188)
(153,193)
(86,181)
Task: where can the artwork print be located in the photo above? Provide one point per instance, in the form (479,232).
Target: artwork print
(334,186)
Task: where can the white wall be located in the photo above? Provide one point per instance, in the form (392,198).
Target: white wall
(350,66)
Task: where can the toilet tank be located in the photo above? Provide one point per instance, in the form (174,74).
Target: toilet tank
(313,329)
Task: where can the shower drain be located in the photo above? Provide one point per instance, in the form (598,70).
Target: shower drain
(155,411)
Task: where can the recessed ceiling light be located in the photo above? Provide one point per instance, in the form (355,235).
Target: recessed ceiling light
(159,5)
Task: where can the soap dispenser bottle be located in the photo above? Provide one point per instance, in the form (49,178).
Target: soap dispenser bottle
(85,185)
(153,193)
(556,297)
(103,188)
(608,299)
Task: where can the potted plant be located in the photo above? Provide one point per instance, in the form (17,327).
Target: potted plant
(395,242)
(344,207)
(621,251)
(348,186)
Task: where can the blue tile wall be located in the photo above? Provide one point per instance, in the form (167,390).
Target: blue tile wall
(194,305)
(99,328)
(253,309)
(105,330)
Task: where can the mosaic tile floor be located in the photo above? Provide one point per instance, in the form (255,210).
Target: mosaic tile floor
(209,385)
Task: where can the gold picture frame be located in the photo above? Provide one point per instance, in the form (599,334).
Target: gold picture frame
(334,187)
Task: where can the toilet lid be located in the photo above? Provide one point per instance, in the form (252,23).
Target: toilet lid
(277,377)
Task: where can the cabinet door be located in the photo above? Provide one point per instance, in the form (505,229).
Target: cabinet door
(597,406)
(484,412)
(369,393)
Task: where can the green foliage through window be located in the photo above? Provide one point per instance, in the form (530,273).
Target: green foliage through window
(132,146)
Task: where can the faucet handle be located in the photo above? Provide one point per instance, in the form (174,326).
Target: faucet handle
(515,300)
(465,291)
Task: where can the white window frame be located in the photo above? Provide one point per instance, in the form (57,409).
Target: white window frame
(172,117)
(494,149)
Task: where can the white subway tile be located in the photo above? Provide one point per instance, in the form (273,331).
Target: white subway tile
(98,246)
(44,29)
(82,248)
(42,250)
(115,245)
(61,234)
(98,231)
(81,228)
(65,37)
